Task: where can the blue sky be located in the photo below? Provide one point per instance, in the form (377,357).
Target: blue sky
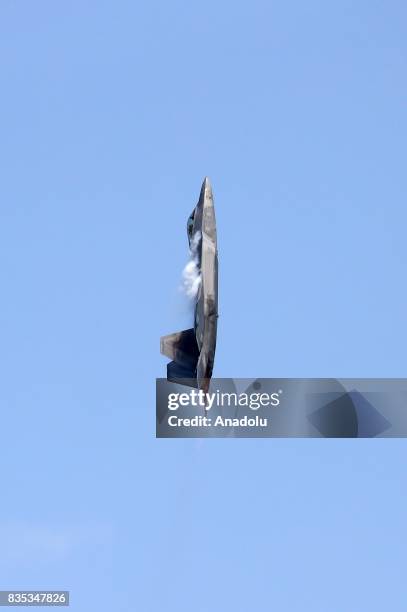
(112,114)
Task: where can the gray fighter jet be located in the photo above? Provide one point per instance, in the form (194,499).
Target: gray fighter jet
(193,350)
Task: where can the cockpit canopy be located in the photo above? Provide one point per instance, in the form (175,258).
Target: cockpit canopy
(190,225)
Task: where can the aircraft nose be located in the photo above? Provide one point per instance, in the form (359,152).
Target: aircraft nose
(207,187)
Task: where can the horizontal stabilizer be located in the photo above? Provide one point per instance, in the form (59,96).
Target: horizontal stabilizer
(181,375)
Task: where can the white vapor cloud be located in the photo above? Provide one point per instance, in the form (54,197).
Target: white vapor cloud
(191,277)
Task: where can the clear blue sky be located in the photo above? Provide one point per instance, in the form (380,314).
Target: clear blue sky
(112,113)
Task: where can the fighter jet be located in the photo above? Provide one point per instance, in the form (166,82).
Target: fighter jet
(193,350)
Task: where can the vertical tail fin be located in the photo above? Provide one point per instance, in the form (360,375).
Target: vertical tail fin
(182,348)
